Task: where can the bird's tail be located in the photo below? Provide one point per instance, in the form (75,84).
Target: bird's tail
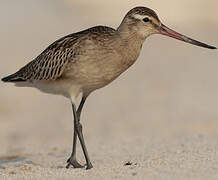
(13,78)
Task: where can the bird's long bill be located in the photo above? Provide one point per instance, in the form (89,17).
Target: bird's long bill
(169,32)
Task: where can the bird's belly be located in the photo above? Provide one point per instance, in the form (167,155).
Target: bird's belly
(64,87)
(97,77)
(95,74)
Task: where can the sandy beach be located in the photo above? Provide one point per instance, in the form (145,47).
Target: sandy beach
(159,120)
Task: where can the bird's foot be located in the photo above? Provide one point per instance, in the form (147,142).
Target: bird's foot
(72,161)
(89,166)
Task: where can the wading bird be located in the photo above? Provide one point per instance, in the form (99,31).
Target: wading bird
(90,59)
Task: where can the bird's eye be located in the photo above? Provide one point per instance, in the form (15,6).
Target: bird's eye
(146,19)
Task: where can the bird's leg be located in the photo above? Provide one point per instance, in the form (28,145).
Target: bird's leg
(80,134)
(72,160)
(78,131)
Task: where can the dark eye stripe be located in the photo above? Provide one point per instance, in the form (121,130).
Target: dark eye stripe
(146,19)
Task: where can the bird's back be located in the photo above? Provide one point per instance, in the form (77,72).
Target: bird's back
(52,62)
(87,60)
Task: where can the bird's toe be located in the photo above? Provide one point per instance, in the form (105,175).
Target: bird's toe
(74,163)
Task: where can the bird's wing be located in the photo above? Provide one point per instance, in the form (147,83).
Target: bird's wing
(50,64)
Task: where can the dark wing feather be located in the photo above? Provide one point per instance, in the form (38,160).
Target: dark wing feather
(50,64)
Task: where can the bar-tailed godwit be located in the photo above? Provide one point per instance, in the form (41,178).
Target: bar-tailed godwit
(90,59)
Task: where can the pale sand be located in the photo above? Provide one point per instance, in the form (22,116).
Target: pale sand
(173,150)
(161,117)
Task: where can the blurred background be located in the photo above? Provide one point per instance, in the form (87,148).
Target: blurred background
(171,90)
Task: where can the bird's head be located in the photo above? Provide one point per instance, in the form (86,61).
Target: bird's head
(145,22)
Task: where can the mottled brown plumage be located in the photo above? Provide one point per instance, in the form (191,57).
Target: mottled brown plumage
(85,61)
(51,63)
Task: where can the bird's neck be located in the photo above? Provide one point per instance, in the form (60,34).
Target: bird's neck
(131,44)
(130,37)
(130,31)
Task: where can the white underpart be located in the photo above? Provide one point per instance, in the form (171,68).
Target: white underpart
(65,87)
